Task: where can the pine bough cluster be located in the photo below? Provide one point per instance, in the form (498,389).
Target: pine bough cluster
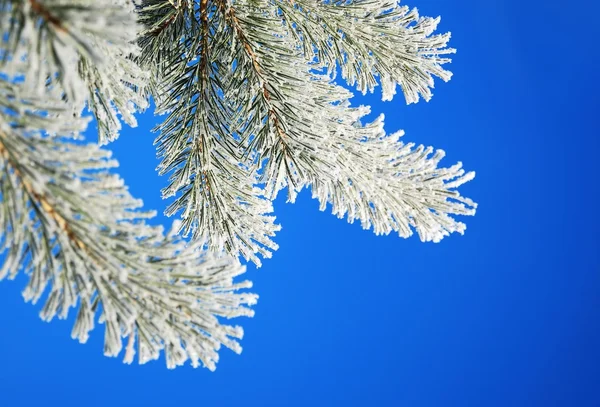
(251,107)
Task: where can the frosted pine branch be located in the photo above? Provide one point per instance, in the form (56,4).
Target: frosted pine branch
(251,107)
(249,85)
(402,189)
(216,191)
(71,225)
(371,41)
(315,138)
(82,49)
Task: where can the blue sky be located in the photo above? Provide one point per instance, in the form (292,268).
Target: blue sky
(507,315)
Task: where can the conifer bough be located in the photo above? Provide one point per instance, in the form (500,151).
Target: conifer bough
(251,107)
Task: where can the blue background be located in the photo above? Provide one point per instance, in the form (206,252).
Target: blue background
(507,315)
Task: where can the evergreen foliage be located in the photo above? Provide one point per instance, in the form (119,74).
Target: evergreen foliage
(251,107)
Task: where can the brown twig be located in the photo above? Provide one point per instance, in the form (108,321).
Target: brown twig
(272,113)
(40,199)
(43,12)
(203,80)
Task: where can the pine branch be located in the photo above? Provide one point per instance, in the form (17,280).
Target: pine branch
(247,87)
(398,187)
(73,227)
(250,84)
(370,39)
(83,49)
(269,134)
(163,24)
(215,191)
(357,168)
